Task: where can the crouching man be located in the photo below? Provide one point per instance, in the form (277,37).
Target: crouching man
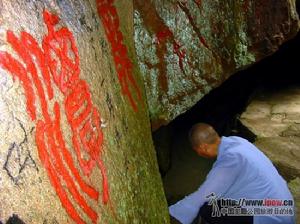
(243,186)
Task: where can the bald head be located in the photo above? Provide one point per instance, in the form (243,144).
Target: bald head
(202,133)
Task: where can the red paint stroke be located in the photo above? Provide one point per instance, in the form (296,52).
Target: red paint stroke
(163,36)
(66,77)
(111,23)
(53,150)
(246,5)
(58,59)
(198,3)
(53,176)
(87,132)
(78,104)
(193,24)
(65,69)
(180,53)
(90,191)
(17,70)
(33,48)
(203,41)
(19,47)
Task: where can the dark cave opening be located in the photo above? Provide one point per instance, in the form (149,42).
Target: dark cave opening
(181,169)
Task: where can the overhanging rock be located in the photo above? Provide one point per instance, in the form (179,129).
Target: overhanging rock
(186,48)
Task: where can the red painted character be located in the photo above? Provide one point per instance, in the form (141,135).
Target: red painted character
(166,34)
(111,23)
(59,60)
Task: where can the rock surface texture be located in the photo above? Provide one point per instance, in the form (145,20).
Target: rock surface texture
(274,117)
(186,48)
(75,137)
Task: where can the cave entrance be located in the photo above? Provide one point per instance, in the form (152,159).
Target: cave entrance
(181,169)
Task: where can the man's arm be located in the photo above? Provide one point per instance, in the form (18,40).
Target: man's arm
(219,180)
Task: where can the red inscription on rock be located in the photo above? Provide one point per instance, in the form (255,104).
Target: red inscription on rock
(166,34)
(57,62)
(111,23)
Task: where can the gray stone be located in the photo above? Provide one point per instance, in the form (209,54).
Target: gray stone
(112,134)
(274,118)
(187,48)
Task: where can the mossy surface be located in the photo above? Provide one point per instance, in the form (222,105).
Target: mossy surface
(187,48)
(135,186)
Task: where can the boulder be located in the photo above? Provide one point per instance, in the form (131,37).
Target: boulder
(75,136)
(274,118)
(186,48)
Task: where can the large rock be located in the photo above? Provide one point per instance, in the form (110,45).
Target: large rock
(75,137)
(274,118)
(186,48)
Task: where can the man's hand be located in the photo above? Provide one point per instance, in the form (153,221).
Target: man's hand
(174,221)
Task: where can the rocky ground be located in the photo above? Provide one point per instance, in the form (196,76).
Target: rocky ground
(274,117)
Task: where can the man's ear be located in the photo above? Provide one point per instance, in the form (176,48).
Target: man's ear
(205,147)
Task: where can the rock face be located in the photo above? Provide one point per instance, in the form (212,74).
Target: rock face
(274,117)
(186,48)
(75,137)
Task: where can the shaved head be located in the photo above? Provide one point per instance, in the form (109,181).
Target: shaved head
(202,133)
